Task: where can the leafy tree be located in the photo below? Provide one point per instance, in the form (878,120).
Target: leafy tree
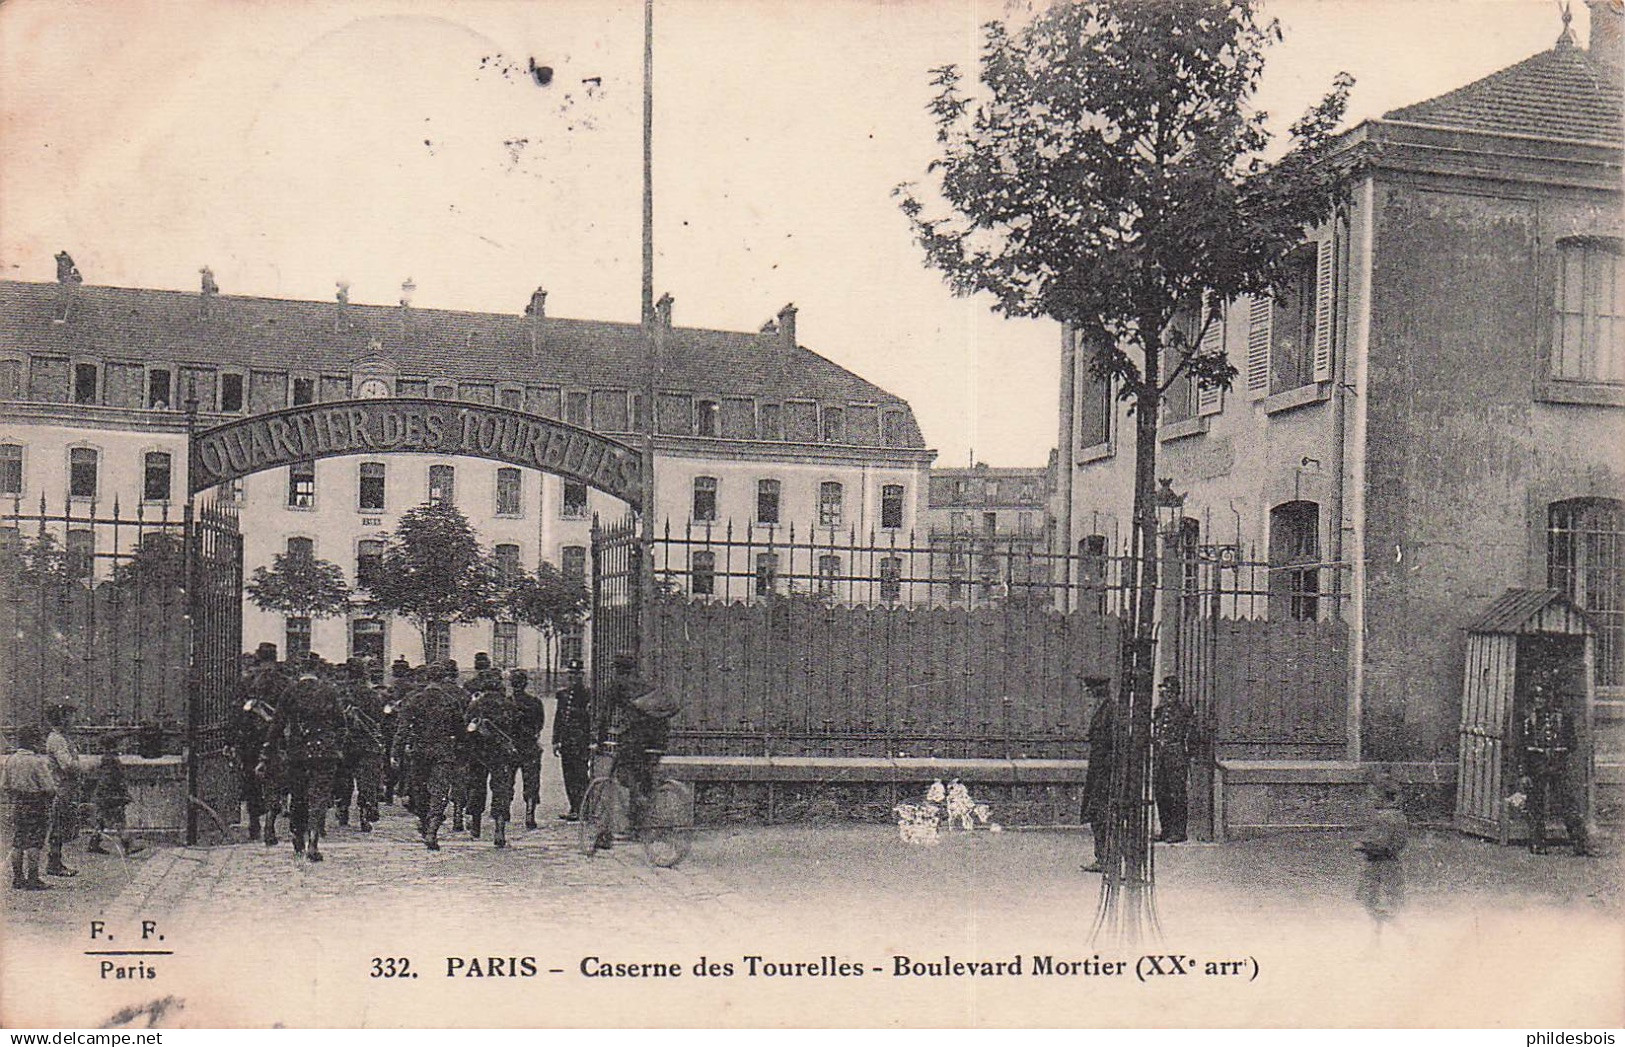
(159,561)
(1112,176)
(434,571)
(548,600)
(301,586)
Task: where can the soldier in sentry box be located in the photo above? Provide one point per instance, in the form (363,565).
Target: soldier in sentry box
(1548,743)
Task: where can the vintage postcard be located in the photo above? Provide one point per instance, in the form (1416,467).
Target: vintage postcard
(939,513)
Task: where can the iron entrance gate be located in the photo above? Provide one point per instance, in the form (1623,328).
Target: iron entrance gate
(617,563)
(214,574)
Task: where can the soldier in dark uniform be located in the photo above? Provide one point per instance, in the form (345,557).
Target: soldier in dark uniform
(434,725)
(531,718)
(572,739)
(1173,740)
(1548,749)
(308,735)
(363,748)
(258,692)
(473,776)
(1097,780)
(400,673)
(493,723)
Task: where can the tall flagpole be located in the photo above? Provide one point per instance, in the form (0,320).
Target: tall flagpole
(646,545)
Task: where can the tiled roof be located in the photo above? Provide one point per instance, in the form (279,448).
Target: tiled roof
(1565,93)
(293,335)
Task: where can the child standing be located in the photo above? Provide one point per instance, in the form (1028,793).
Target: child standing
(29,785)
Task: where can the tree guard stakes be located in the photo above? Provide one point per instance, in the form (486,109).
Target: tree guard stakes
(302,434)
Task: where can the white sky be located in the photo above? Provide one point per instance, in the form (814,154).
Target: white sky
(283,144)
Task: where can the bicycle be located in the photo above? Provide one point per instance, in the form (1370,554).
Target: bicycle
(667,829)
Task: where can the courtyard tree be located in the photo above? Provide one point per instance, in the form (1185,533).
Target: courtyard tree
(298,585)
(434,572)
(549,601)
(1113,174)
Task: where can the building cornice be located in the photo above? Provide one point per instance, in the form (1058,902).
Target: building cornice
(1406,147)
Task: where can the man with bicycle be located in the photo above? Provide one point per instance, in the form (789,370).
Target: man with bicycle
(643,717)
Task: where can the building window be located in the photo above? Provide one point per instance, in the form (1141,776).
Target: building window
(369,561)
(1093,572)
(302,485)
(767,573)
(507,564)
(891,506)
(512,399)
(505,644)
(84,384)
(767,501)
(442,485)
(702,573)
(155,477)
(573,562)
(571,645)
(231,392)
(1292,327)
(575,408)
(894,429)
(891,579)
(1294,561)
(230,491)
(829,570)
(1584,539)
(1590,342)
(444,392)
(831,498)
(158,388)
(301,548)
(1094,408)
(705,499)
(304,391)
(82,470)
(11,469)
(708,416)
(834,425)
(296,639)
(574,505)
(508,487)
(370,487)
(81,552)
(772,422)
(437,642)
(367,640)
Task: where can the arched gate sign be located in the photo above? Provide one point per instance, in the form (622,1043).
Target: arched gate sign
(302,434)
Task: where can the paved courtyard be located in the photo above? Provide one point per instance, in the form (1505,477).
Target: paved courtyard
(1485,935)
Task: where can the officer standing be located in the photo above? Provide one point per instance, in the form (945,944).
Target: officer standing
(531,718)
(1548,748)
(1097,780)
(572,739)
(1173,738)
(363,748)
(257,694)
(307,735)
(433,725)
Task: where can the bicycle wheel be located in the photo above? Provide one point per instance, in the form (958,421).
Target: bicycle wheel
(670,836)
(595,815)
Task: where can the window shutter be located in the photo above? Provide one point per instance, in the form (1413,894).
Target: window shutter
(1324,312)
(1259,316)
(1211,401)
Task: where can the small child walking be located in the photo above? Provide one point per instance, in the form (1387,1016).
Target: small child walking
(111,796)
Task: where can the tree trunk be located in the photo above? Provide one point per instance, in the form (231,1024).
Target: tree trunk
(1127,911)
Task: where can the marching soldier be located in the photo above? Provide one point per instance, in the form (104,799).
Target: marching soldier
(400,673)
(257,694)
(531,718)
(307,734)
(493,723)
(433,725)
(1548,746)
(572,739)
(363,749)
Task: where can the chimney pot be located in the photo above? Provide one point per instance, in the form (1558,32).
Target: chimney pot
(66,271)
(407,289)
(787,325)
(663,310)
(206,279)
(771,327)
(537,309)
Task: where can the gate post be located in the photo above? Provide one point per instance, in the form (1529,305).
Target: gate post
(190,570)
